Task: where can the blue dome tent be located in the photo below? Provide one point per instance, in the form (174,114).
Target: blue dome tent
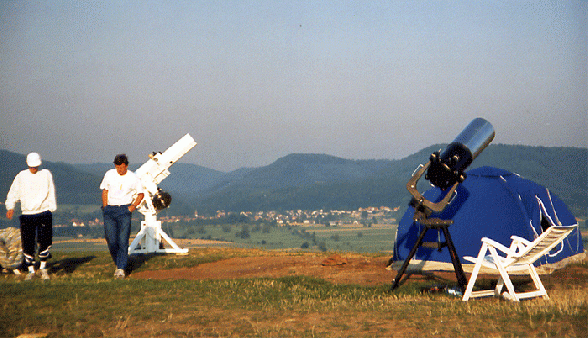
(492,203)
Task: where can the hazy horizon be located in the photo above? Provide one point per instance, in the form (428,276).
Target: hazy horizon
(135,164)
(253,81)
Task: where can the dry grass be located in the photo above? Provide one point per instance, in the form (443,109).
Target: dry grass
(83,300)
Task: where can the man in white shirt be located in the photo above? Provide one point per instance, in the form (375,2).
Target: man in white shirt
(122,192)
(35,190)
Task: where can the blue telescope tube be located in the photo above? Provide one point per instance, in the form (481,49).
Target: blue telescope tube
(476,136)
(448,168)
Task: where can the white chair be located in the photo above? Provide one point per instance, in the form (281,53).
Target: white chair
(519,260)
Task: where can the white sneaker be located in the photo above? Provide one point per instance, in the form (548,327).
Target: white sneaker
(30,276)
(44,274)
(119,274)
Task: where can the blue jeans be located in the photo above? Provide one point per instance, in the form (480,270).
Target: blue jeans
(117,230)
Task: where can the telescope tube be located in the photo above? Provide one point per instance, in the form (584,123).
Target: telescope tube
(476,136)
(448,168)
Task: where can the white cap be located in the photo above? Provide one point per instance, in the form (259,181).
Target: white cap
(33,160)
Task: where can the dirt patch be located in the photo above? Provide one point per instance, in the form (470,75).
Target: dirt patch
(335,269)
(355,271)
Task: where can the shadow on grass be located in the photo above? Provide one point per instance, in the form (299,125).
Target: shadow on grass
(69,265)
(137,261)
(430,281)
(425,276)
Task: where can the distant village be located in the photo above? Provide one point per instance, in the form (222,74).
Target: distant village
(360,217)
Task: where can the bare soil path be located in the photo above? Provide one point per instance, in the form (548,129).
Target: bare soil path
(334,268)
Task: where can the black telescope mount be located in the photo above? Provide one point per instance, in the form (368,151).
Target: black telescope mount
(423,208)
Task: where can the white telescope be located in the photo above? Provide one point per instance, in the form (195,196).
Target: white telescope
(149,238)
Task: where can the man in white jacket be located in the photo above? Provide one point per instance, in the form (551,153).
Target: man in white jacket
(35,190)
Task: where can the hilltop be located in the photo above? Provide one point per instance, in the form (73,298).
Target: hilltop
(255,293)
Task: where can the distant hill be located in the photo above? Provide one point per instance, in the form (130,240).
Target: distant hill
(296,181)
(563,170)
(316,181)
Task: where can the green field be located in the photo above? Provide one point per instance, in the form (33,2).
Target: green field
(355,239)
(378,238)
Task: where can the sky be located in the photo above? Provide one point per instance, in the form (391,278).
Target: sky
(253,81)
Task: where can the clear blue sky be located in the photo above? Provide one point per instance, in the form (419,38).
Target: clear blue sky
(253,81)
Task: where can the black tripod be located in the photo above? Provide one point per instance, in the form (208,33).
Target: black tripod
(423,208)
(439,225)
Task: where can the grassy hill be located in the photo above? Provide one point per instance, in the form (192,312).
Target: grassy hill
(312,181)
